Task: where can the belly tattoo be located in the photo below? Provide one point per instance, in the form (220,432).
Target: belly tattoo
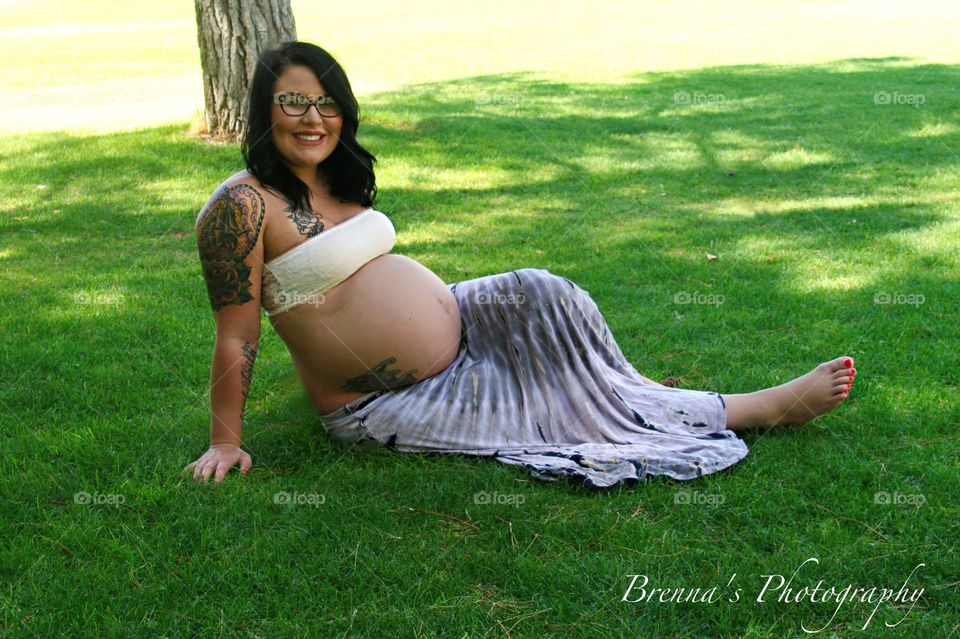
(380,378)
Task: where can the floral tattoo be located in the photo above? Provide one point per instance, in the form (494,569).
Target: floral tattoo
(307,222)
(227,231)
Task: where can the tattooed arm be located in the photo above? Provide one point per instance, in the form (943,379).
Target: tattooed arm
(230,240)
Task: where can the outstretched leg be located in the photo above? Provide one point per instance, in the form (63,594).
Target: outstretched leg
(795,402)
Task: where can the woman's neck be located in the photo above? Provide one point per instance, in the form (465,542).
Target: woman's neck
(316,182)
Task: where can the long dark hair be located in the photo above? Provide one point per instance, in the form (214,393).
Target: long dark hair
(348,170)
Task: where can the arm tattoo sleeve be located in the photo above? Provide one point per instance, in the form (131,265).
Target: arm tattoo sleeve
(227,231)
(246,369)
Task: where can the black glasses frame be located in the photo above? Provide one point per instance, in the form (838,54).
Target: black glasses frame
(297,104)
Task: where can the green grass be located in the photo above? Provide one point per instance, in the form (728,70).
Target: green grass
(815,199)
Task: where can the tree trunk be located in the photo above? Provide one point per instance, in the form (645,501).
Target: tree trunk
(231,33)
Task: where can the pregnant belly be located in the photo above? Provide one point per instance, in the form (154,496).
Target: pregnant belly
(390,324)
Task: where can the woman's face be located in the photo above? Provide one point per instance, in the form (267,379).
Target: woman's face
(294,136)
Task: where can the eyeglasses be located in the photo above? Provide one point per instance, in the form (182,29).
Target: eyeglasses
(297,104)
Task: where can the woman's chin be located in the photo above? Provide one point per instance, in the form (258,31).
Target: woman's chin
(307,159)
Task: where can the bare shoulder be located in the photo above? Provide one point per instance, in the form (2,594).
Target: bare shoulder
(240,187)
(228,229)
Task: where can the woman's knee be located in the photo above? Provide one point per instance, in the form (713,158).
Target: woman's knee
(546,280)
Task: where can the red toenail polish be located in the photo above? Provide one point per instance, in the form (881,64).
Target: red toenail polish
(850,379)
(848,362)
(854,371)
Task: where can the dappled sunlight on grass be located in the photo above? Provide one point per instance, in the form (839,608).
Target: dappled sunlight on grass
(934,130)
(413,174)
(647,151)
(850,205)
(432,232)
(820,277)
(836,203)
(927,241)
(172,193)
(795,158)
(712,100)
(733,147)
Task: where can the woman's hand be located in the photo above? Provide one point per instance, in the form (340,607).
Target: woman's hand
(219,458)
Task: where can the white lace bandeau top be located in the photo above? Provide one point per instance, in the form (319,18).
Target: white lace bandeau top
(318,264)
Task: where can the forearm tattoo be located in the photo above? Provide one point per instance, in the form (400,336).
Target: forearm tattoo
(227,231)
(380,378)
(307,222)
(246,368)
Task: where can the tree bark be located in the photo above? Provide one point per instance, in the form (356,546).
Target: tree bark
(231,33)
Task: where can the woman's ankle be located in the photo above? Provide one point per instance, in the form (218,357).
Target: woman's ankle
(747,410)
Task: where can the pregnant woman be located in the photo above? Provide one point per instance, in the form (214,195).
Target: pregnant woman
(520,366)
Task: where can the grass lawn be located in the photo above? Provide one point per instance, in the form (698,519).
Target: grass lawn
(822,171)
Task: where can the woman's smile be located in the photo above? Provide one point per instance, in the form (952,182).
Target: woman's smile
(310,138)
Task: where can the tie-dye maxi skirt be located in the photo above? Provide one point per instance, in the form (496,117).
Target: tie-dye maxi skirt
(540,382)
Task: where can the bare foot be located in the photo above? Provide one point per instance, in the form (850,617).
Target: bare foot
(795,402)
(818,392)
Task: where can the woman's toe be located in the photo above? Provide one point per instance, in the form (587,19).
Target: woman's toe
(835,365)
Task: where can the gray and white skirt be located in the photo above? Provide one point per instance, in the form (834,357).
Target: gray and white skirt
(539,382)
